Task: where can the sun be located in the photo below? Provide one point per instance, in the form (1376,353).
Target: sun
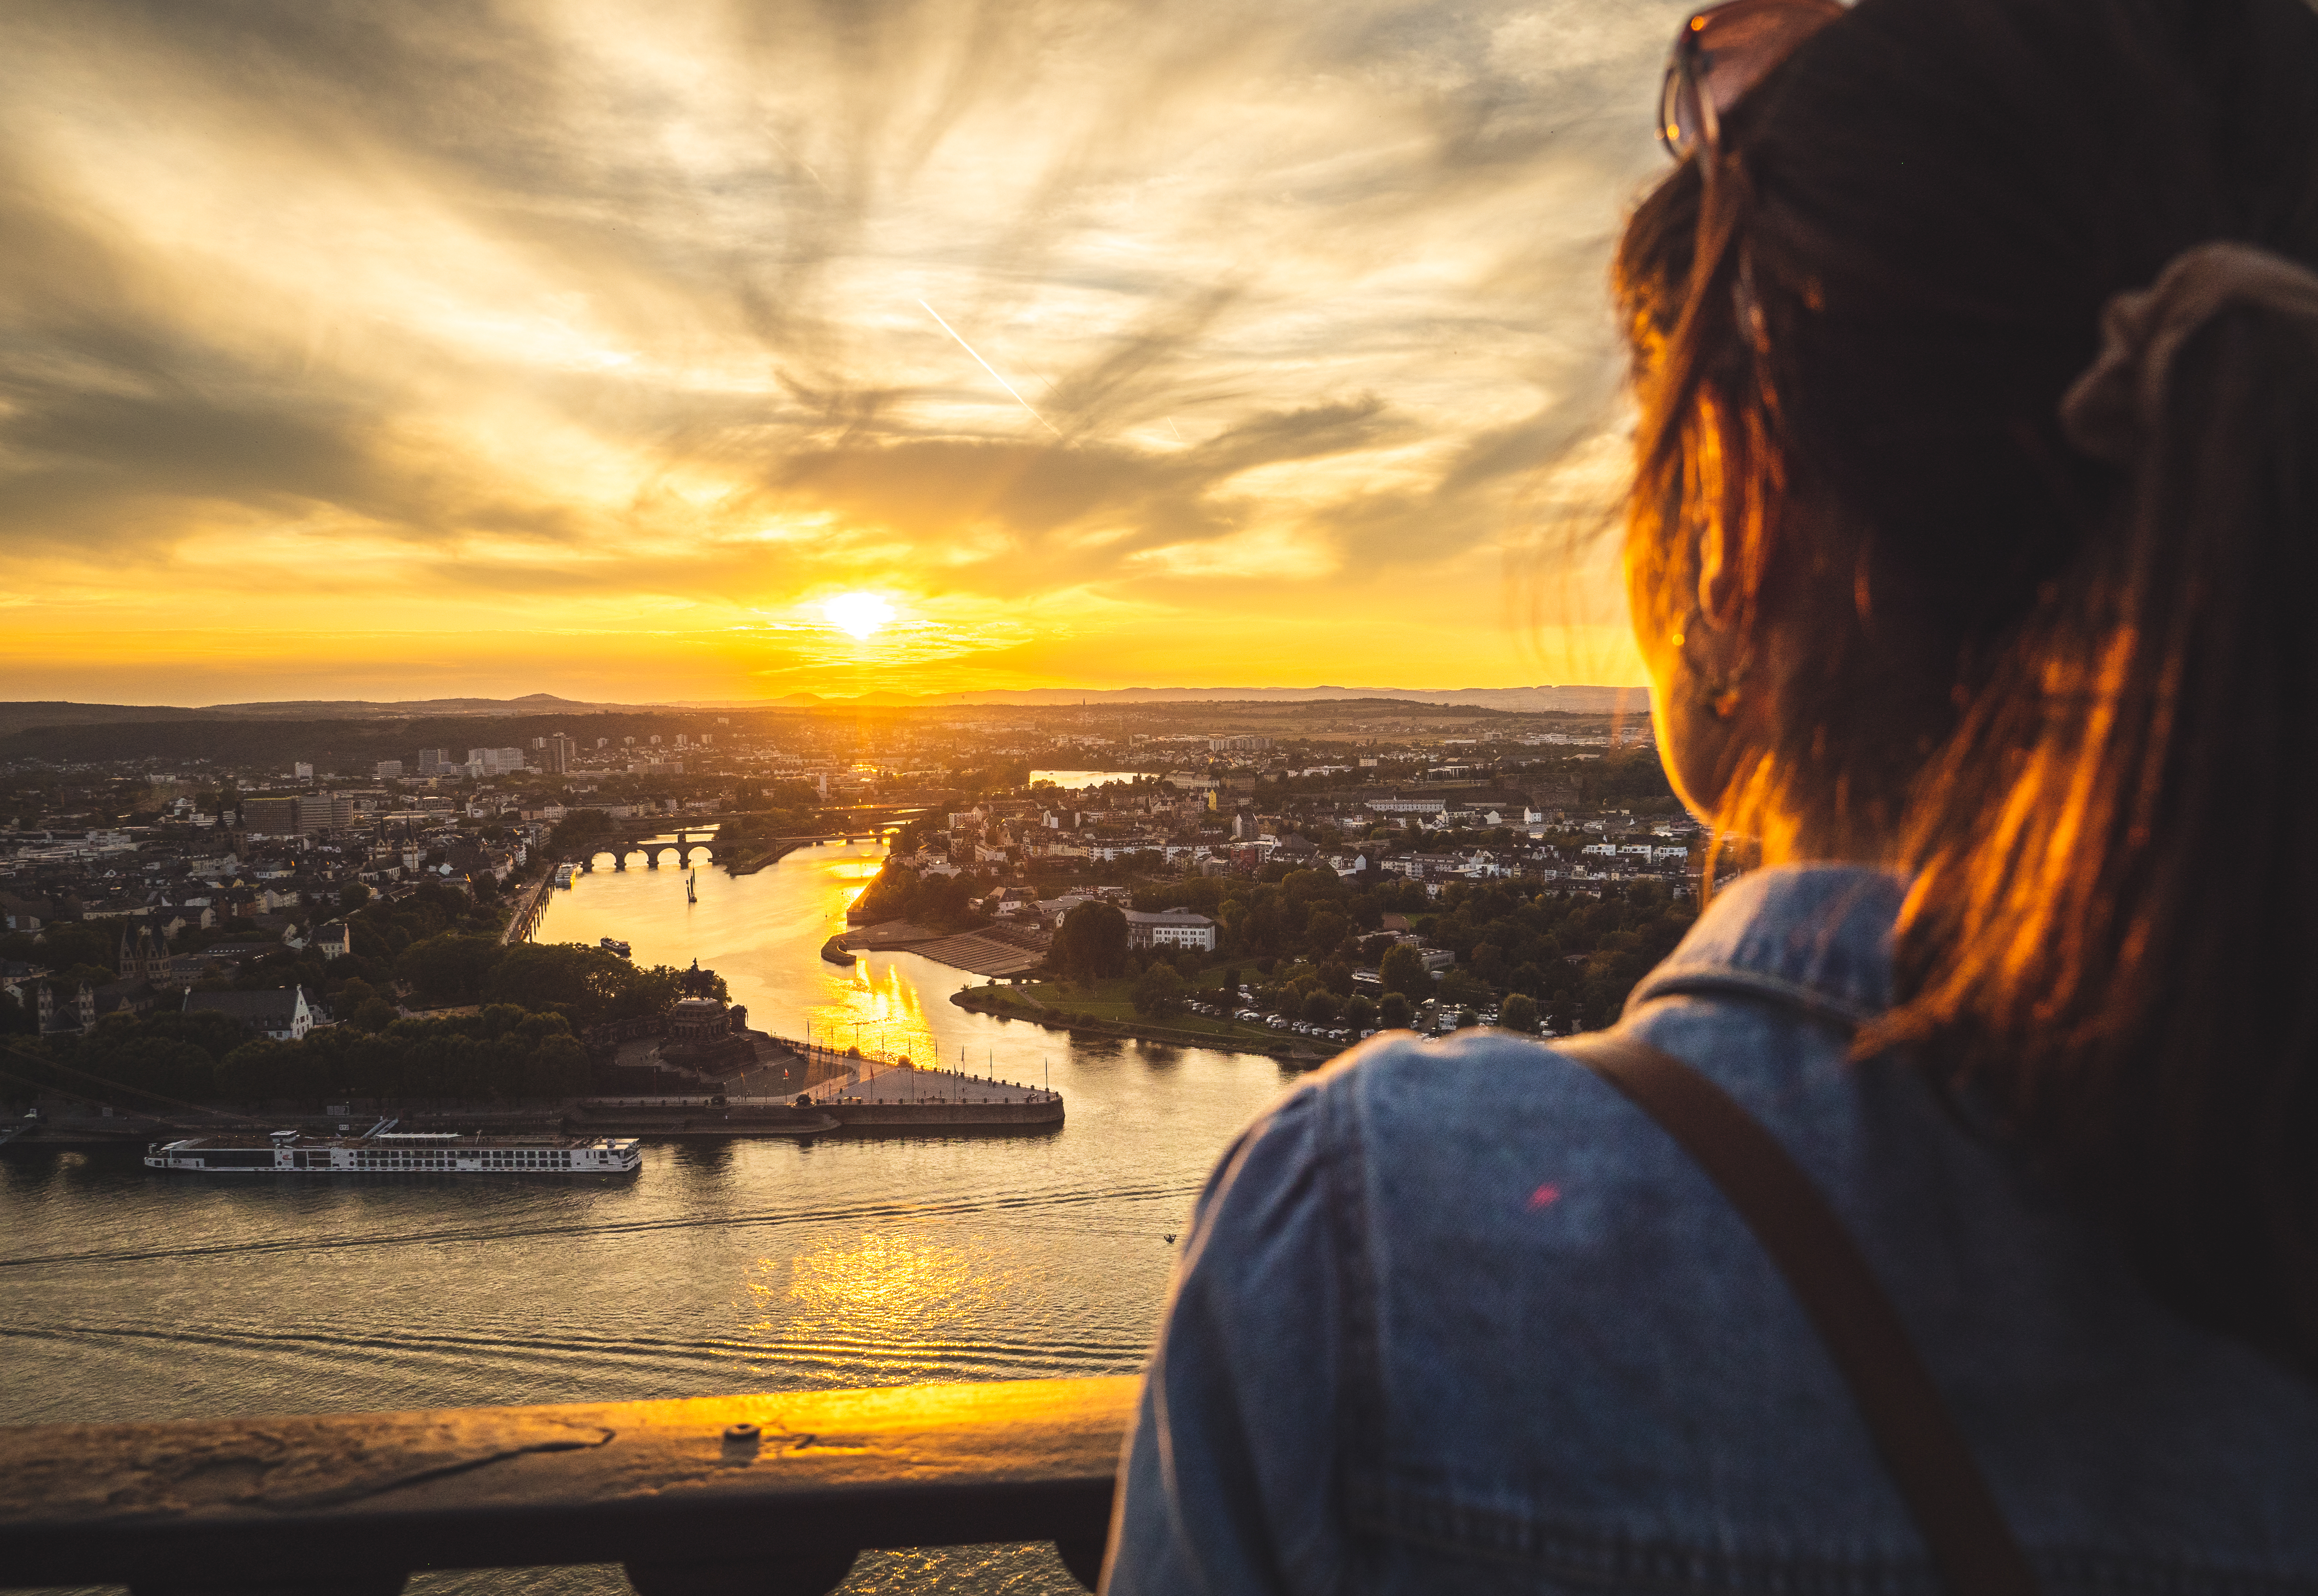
(860,614)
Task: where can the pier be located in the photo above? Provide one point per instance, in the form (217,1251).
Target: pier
(859,1090)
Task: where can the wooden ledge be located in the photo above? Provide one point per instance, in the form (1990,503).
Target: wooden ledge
(336,1501)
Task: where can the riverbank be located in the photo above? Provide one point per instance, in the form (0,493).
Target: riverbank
(1008,1003)
(697,1119)
(986,950)
(763,854)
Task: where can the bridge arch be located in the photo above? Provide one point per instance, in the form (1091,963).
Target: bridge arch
(652,851)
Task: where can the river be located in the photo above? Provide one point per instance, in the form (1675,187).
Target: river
(748,1265)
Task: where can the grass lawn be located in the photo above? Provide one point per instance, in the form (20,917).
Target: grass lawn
(1114,1000)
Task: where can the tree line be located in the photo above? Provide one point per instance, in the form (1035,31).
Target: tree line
(154,1063)
(1539,955)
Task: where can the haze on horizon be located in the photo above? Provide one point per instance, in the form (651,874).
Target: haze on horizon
(711,351)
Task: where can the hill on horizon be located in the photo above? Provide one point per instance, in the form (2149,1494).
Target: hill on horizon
(29,714)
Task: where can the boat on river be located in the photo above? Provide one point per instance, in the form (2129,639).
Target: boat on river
(397,1153)
(612,945)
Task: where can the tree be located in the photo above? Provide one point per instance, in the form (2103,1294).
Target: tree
(1092,943)
(1403,972)
(61,946)
(1392,1013)
(569,975)
(580,832)
(1319,1005)
(1324,930)
(353,896)
(1361,1014)
(1462,987)
(1159,992)
(451,967)
(253,1070)
(1518,1013)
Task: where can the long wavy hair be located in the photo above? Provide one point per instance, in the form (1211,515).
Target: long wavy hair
(2078,702)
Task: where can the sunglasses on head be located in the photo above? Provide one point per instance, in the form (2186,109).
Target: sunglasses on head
(1721,53)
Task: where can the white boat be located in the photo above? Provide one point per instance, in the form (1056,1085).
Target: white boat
(399,1153)
(563,876)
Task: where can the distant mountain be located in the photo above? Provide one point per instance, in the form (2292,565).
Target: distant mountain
(19,717)
(26,716)
(407,709)
(1581,700)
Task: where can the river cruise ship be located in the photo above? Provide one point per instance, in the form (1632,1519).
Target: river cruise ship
(399,1153)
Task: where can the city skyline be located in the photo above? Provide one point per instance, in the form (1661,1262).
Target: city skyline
(680,352)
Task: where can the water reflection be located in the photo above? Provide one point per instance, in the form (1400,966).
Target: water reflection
(906,1299)
(774,1264)
(763,933)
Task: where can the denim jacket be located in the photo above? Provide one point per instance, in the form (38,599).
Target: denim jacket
(1455,1316)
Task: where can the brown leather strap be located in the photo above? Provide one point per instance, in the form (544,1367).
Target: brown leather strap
(1970,1545)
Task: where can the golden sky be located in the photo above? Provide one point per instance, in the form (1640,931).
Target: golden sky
(401,350)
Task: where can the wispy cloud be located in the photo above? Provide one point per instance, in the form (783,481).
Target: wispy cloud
(606,316)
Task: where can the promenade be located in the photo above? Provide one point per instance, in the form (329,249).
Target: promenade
(875,1080)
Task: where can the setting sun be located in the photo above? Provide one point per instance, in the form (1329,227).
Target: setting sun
(1078,440)
(859,614)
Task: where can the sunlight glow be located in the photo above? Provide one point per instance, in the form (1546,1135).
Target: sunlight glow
(860,614)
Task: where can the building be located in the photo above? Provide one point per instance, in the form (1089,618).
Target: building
(333,940)
(1396,805)
(483,762)
(142,957)
(270,816)
(1292,849)
(562,751)
(1239,745)
(284,1014)
(296,816)
(325,812)
(1170,928)
(702,1034)
(435,762)
(52,1016)
(387,770)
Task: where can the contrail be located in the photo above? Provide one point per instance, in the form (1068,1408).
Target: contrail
(986,366)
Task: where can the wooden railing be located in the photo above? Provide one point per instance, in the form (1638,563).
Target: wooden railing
(773,1494)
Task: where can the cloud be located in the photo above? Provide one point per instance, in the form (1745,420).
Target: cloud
(607,312)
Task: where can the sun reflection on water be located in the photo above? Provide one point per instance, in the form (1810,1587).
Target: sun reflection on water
(871,1005)
(892,1301)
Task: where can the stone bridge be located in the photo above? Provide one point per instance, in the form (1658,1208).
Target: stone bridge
(656,837)
(685,843)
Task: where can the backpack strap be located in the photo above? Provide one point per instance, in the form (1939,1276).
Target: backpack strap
(1970,1545)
